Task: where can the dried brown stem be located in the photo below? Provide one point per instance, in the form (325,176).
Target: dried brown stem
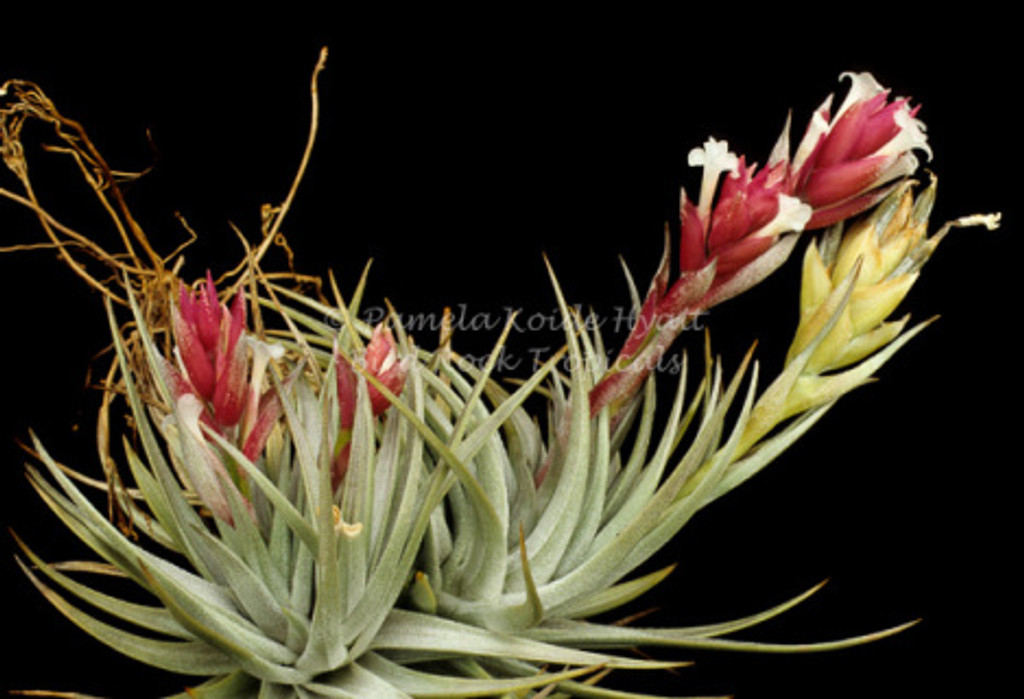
(273,218)
(147,277)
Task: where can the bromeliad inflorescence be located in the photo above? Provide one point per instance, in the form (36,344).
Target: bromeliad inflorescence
(380,361)
(743,224)
(331,510)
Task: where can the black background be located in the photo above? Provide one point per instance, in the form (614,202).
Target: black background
(457,150)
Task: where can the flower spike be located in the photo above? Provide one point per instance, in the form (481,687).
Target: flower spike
(729,241)
(751,210)
(209,348)
(845,164)
(380,360)
(852,283)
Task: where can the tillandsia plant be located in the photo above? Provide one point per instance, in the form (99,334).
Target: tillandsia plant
(319,507)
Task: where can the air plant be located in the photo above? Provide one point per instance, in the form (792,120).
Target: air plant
(327,509)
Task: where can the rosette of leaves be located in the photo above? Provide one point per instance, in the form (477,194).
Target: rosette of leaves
(543,527)
(466,549)
(563,517)
(585,503)
(294,594)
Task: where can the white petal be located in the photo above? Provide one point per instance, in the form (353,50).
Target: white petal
(793,215)
(989,221)
(342,527)
(262,353)
(716,158)
(912,135)
(863,86)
